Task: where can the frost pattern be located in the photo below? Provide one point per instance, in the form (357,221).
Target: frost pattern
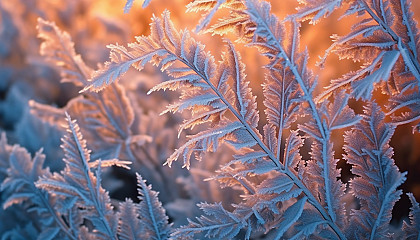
(282,193)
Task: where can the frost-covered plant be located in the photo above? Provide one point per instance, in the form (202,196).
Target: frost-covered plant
(65,200)
(282,195)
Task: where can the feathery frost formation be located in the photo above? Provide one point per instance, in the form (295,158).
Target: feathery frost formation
(282,192)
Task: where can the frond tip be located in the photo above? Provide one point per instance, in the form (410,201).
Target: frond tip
(412,230)
(152,214)
(144,220)
(79,183)
(58,48)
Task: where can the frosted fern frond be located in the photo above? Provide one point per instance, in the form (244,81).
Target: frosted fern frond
(235,22)
(321,174)
(106,116)
(362,82)
(412,230)
(206,89)
(267,206)
(23,172)
(77,181)
(409,31)
(388,36)
(258,213)
(377,178)
(163,41)
(405,33)
(268,35)
(314,10)
(245,103)
(284,196)
(152,215)
(144,220)
(282,98)
(58,49)
(109,163)
(109,113)
(283,101)
(270,40)
(285,61)
(269,31)
(114,69)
